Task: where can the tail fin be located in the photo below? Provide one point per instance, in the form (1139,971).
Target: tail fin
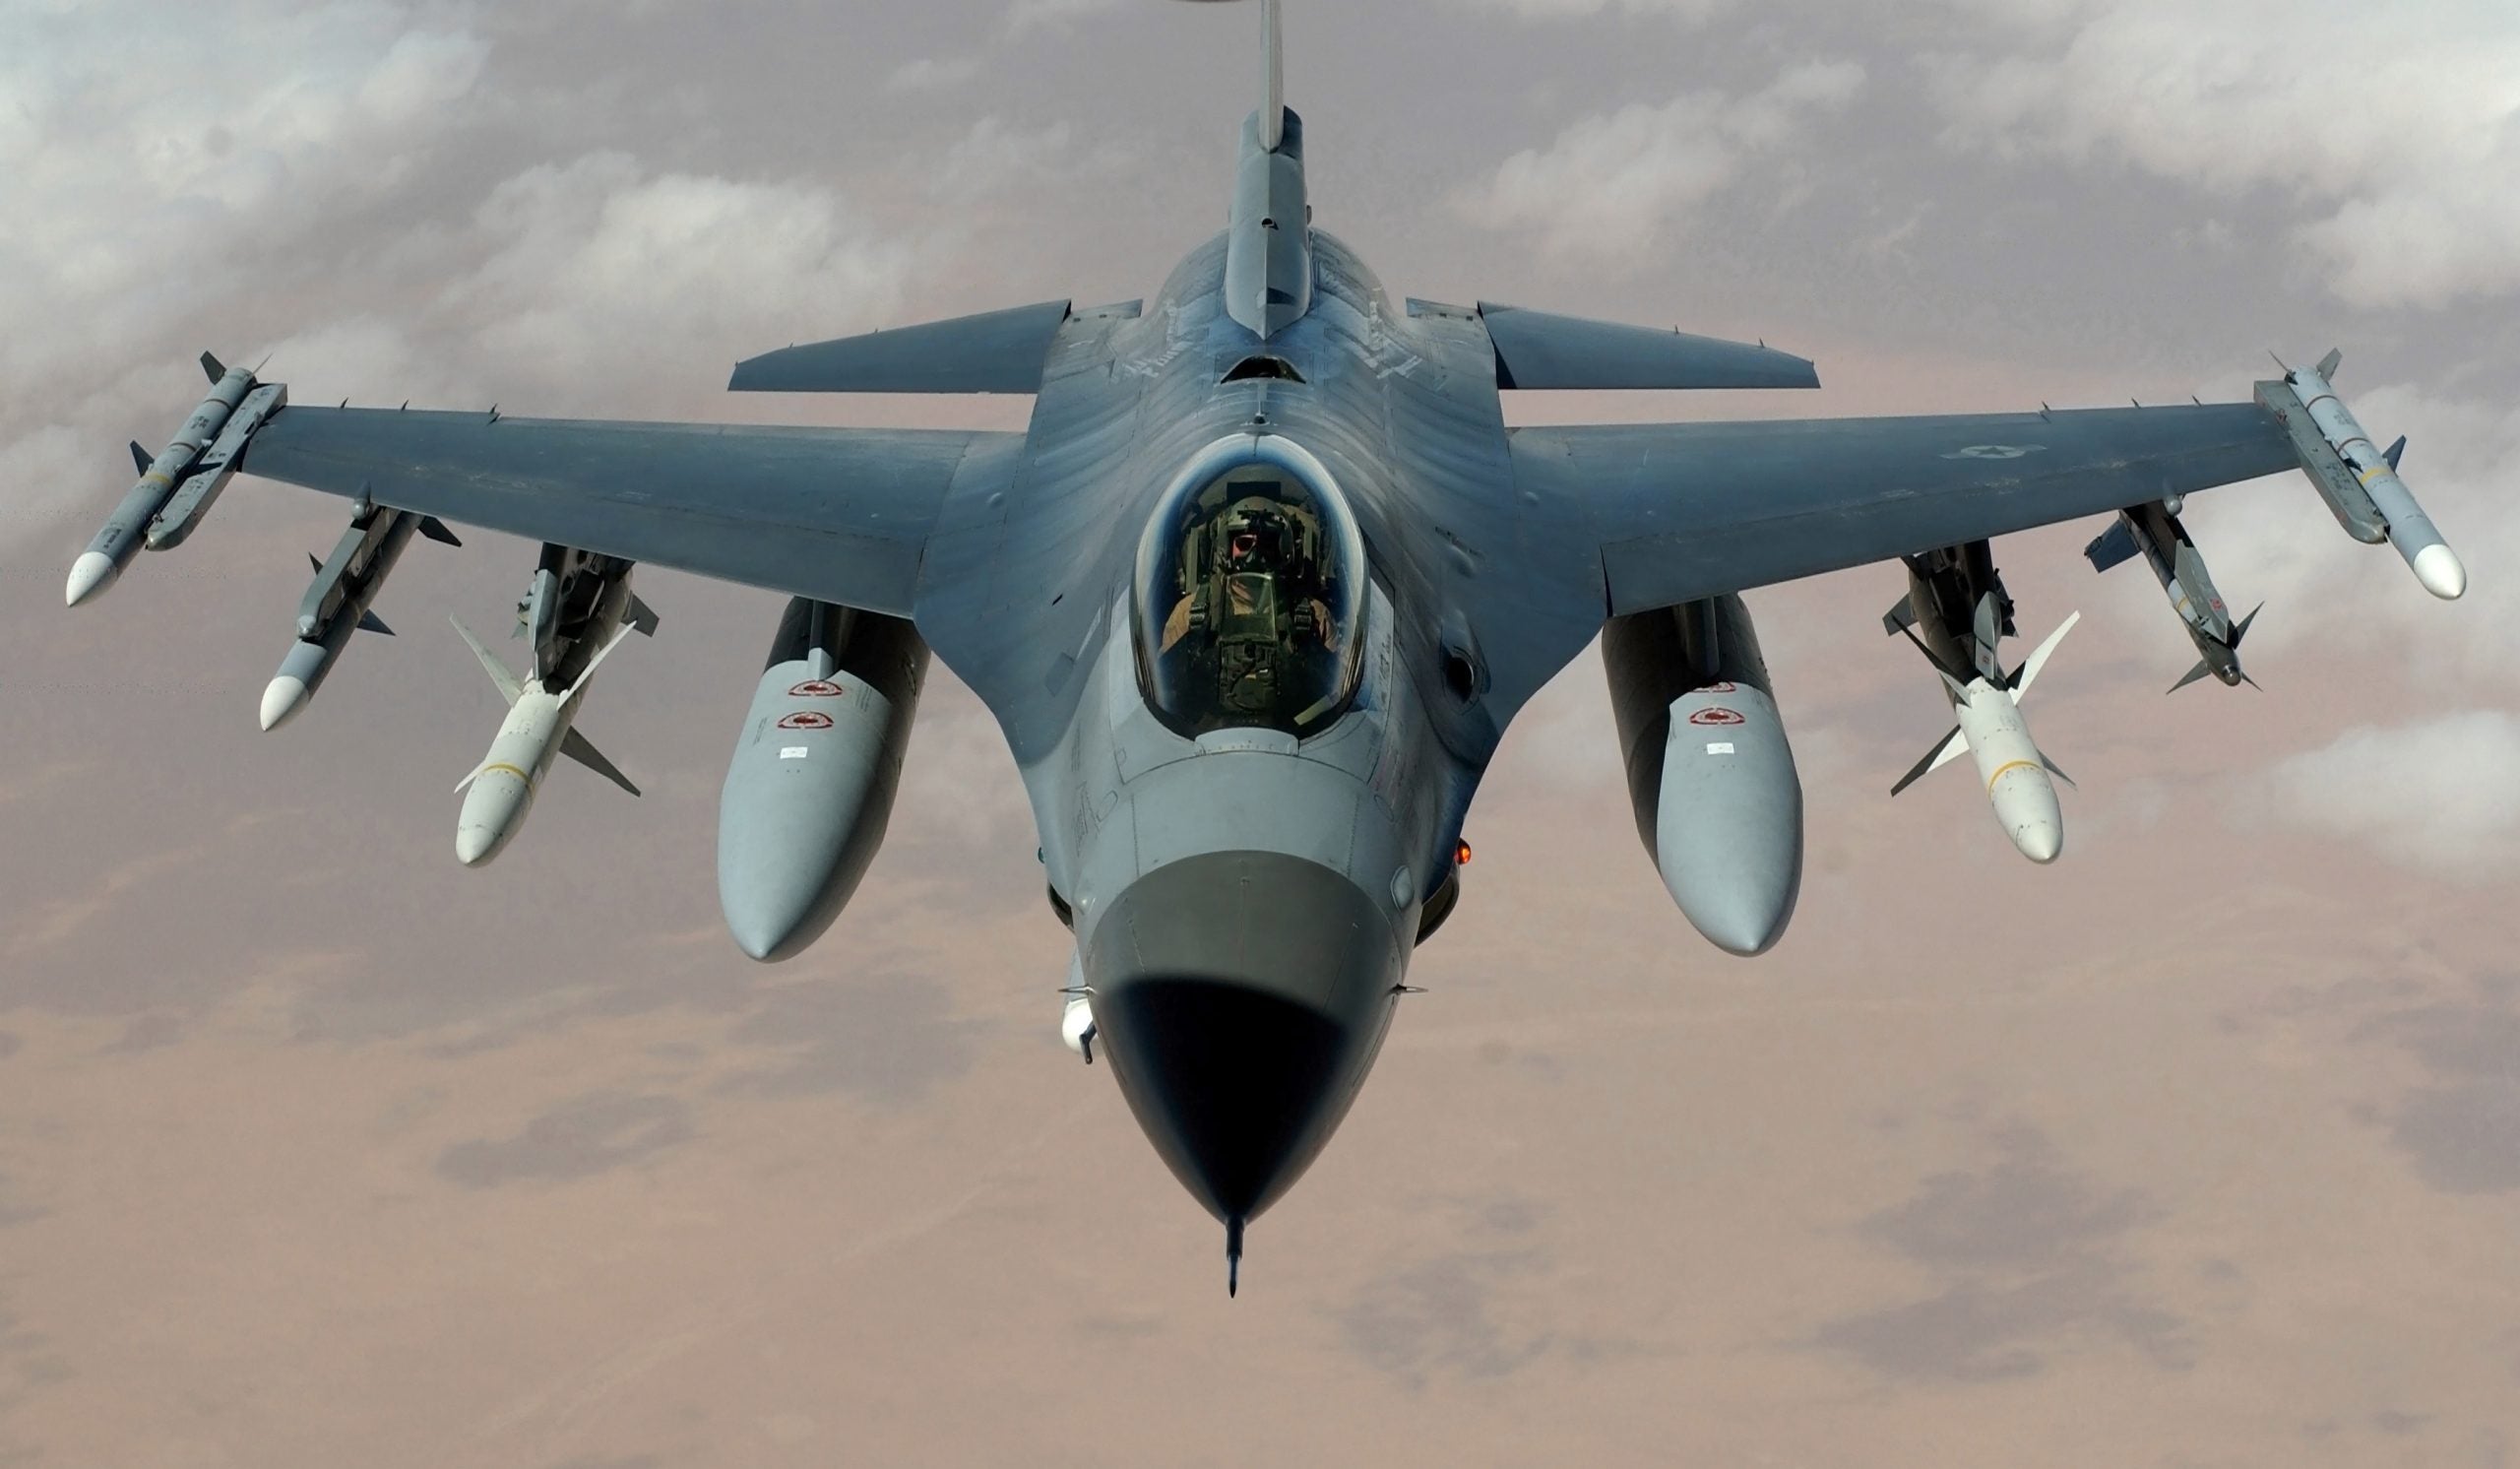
(579,748)
(1267,253)
(509,687)
(2038,657)
(1272,80)
(1934,759)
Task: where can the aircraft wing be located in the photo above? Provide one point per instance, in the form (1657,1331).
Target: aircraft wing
(1684,511)
(841,515)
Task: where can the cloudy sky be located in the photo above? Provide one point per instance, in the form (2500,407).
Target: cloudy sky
(2201,1148)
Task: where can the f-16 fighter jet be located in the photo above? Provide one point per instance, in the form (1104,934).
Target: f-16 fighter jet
(1253,599)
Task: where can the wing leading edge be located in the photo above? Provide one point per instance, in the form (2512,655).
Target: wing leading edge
(1684,511)
(840,515)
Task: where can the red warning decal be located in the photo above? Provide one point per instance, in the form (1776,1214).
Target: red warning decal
(816,688)
(1715,715)
(1726,688)
(806,721)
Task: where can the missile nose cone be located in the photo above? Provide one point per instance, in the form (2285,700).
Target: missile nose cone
(1239,997)
(2437,566)
(90,574)
(477,845)
(2039,841)
(282,697)
(494,808)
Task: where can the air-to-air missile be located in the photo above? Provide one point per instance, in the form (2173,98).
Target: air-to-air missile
(1955,604)
(1709,771)
(2152,529)
(580,608)
(810,786)
(337,604)
(127,529)
(2359,481)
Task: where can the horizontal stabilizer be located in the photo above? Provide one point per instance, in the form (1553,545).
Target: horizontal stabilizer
(2114,544)
(996,352)
(1538,349)
(1934,759)
(577,747)
(370,622)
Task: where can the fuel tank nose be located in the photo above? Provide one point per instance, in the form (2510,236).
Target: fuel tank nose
(1240,997)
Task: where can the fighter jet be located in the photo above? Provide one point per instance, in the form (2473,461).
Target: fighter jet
(1254,597)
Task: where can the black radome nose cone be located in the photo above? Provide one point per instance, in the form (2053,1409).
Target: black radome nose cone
(1240,997)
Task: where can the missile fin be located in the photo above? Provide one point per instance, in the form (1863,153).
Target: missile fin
(509,687)
(2241,631)
(1898,620)
(2111,547)
(139,456)
(435,529)
(2038,657)
(2395,452)
(642,616)
(2200,670)
(619,637)
(1934,759)
(213,367)
(368,622)
(2056,769)
(579,748)
(2328,363)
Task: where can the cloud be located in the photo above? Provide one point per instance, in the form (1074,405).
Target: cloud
(932,74)
(127,202)
(2440,795)
(1615,183)
(2402,139)
(1692,12)
(597,263)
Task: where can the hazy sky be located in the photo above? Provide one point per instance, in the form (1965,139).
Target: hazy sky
(2201,1147)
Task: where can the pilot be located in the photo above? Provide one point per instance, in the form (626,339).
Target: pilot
(1253,569)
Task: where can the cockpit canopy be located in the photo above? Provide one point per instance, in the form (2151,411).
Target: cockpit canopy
(1250,595)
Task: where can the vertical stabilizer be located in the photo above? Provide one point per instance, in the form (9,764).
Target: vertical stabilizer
(1272,80)
(1267,257)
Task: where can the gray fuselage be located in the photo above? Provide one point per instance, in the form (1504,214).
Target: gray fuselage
(1245,897)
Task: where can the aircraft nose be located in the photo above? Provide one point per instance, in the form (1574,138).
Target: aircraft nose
(1240,997)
